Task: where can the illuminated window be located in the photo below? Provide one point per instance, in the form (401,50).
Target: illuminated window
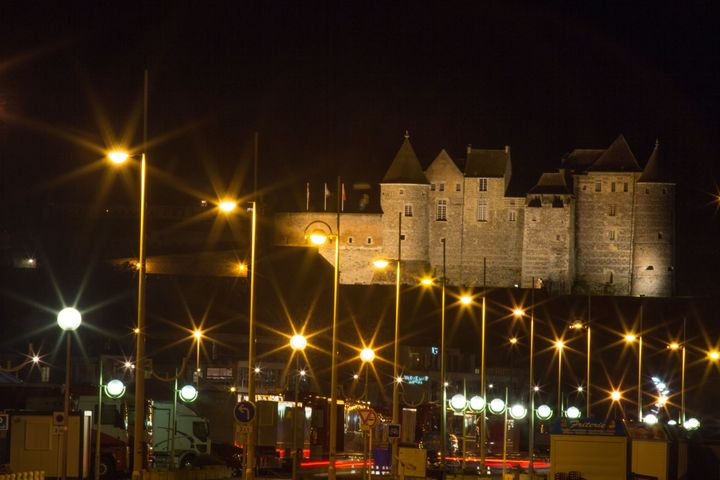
(441,211)
(482,210)
(483,184)
(613,210)
(408,210)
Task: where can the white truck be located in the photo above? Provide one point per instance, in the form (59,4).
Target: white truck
(192,435)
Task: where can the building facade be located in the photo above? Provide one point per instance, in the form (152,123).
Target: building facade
(601,224)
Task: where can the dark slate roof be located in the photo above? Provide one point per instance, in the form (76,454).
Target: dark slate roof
(617,158)
(654,173)
(405,168)
(551,183)
(581,159)
(486,163)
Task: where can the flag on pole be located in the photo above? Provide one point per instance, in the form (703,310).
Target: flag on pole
(307,196)
(344,197)
(327,194)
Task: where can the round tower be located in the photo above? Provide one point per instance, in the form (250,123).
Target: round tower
(654,231)
(404,193)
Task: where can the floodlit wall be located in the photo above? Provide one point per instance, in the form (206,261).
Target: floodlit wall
(595,457)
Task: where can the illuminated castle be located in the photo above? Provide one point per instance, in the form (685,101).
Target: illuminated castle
(601,224)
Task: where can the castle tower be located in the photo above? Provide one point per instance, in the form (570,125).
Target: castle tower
(549,236)
(653,255)
(604,230)
(404,190)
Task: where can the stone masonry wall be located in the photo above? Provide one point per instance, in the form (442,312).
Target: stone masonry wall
(604,232)
(394,199)
(549,244)
(653,261)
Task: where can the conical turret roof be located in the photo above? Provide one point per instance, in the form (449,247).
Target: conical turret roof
(405,168)
(617,158)
(654,173)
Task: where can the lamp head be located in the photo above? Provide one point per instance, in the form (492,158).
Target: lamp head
(318,237)
(367,354)
(518,312)
(298,342)
(380,263)
(630,337)
(615,396)
(466,299)
(426,282)
(118,157)
(69,319)
(227,206)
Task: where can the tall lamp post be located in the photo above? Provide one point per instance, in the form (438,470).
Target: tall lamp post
(630,338)
(114,389)
(396,350)
(298,343)
(577,326)
(69,319)
(559,345)
(318,237)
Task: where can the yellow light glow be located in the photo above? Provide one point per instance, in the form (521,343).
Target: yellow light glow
(318,237)
(427,281)
(518,312)
(356,376)
(630,337)
(35,359)
(399,379)
(714,355)
(662,399)
(197,334)
(257,369)
(381,263)
(559,344)
(136,330)
(118,157)
(227,206)
(233,389)
(615,396)
(298,342)
(577,325)
(128,365)
(674,346)
(466,299)
(513,340)
(580,389)
(367,354)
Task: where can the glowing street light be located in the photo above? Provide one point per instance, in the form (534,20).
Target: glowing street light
(188,393)
(466,299)
(513,340)
(559,345)
(113,389)
(69,319)
(615,396)
(35,359)
(298,342)
(427,282)
(630,338)
(381,263)
(367,355)
(518,312)
(227,206)
(714,355)
(118,157)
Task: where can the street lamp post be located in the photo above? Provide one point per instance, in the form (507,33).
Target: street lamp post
(114,389)
(578,325)
(559,345)
(250,456)
(298,343)
(69,319)
(319,238)
(630,338)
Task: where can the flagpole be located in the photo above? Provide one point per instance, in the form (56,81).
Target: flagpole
(307,197)
(325,195)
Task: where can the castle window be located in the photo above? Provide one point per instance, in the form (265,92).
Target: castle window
(650,267)
(442,187)
(598,187)
(402,236)
(610,277)
(664,191)
(483,184)
(625,187)
(432,187)
(457,187)
(612,187)
(408,210)
(350,240)
(512,215)
(584,187)
(441,211)
(557,237)
(647,191)
(612,235)
(369,240)
(482,210)
(613,210)
(659,235)
(402,191)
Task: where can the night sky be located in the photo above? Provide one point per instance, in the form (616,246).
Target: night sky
(331,88)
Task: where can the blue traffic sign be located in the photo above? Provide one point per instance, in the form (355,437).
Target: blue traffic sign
(244,412)
(3,421)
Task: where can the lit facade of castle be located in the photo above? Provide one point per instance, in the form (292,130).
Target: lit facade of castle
(601,224)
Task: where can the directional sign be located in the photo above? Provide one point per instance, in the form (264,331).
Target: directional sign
(394,430)
(244,412)
(245,428)
(3,421)
(368,417)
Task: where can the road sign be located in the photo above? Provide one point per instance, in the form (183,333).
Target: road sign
(368,417)
(244,428)
(244,412)
(4,421)
(394,430)
(59,419)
